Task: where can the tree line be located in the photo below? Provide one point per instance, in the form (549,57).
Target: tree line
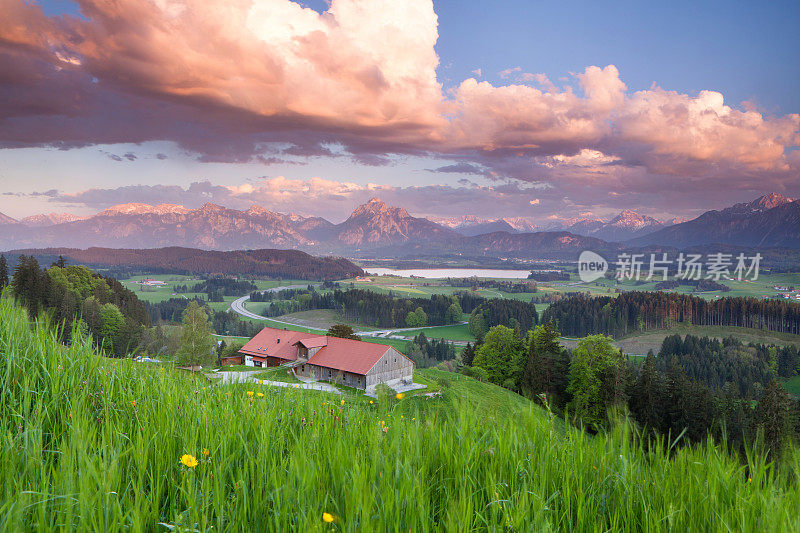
(289,264)
(678,394)
(634,311)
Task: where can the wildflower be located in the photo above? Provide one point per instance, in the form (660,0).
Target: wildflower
(133,403)
(249,394)
(227,394)
(327,517)
(189,461)
(385,429)
(260,395)
(370,402)
(260,381)
(205,452)
(400,395)
(342,402)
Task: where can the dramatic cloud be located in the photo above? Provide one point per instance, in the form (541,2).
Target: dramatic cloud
(229,79)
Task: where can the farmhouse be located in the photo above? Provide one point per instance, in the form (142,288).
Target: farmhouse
(348,362)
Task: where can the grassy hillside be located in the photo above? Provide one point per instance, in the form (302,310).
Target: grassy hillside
(94,444)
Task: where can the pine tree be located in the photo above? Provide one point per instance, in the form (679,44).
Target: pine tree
(3,272)
(774,417)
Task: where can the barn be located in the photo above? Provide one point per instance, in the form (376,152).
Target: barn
(348,362)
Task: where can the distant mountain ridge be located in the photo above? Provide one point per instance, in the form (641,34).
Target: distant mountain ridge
(376,229)
(6,220)
(772,220)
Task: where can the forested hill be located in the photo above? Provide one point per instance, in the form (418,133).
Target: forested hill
(267,262)
(634,311)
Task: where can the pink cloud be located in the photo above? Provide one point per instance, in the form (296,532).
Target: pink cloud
(224,79)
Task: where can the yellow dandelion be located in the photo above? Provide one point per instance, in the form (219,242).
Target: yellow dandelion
(342,402)
(249,394)
(400,395)
(189,461)
(328,517)
(260,381)
(260,394)
(205,452)
(133,403)
(370,402)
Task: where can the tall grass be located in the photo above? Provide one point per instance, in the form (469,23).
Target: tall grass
(77,453)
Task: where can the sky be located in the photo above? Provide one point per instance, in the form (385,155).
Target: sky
(544,110)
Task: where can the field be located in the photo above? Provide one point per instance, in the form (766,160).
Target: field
(793,385)
(317,321)
(458,332)
(97,444)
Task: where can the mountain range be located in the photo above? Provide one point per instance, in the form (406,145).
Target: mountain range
(626,225)
(377,229)
(772,220)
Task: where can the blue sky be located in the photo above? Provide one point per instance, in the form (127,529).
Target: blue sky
(630,153)
(746,50)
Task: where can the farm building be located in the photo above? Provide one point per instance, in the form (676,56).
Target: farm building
(348,362)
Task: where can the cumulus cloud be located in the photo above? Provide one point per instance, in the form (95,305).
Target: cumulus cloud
(226,80)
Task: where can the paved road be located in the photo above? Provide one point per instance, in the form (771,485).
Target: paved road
(237,306)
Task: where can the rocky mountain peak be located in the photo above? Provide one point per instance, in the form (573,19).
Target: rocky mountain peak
(768,201)
(376,207)
(631,219)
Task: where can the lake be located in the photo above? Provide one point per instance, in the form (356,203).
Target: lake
(438,273)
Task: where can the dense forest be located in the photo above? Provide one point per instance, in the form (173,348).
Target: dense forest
(728,363)
(634,311)
(695,387)
(216,288)
(513,313)
(289,264)
(502,285)
(113,314)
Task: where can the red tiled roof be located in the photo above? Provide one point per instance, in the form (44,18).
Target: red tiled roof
(314,342)
(349,355)
(274,342)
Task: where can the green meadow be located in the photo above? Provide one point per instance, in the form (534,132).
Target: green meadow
(94,444)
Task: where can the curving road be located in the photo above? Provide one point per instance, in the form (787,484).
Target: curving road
(237,306)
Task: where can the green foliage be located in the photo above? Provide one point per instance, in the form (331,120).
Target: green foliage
(343,331)
(477,324)
(453,313)
(196,340)
(501,356)
(775,418)
(3,272)
(416,318)
(595,379)
(78,455)
(547,367)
